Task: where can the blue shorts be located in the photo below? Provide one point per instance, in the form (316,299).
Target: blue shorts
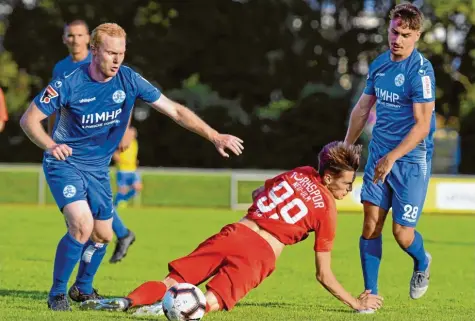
(404,189)
(68,184)
(127,178)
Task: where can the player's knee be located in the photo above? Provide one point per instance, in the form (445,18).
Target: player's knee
(102,232)
(404,235)
(80,228)
(372,228)
(373,224)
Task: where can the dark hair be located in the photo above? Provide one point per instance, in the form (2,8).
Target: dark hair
(409,14)
(337,157)
(77,22)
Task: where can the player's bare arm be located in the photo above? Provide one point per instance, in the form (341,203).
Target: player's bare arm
(420,130)
(189,120)
(359,117)
(31,124)
(328,280)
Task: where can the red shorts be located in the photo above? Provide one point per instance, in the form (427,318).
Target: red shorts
(237,257)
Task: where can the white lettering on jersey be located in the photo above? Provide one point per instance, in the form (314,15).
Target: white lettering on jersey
(308,189)
(87,100)
(386,95)
(100,119)
(426,87)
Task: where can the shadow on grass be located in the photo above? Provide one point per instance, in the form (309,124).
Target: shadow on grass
(283,305)
(275,304)
(451,243)
(32,295)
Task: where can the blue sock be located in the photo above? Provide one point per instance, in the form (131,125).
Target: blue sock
(129,195)
(118,197)
(118,226)
(91,258)
(417,252)
(370,255)
(68,254)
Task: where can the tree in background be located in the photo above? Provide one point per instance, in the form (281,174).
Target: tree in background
(281,74)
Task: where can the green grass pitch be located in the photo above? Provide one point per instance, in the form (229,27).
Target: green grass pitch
(29,235)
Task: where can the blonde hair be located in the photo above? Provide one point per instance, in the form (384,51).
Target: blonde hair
(110,29)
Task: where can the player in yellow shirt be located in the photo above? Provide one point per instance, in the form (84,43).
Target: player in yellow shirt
(128,184)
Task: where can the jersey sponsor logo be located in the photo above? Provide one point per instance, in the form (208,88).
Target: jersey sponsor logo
(399,80)
(422,72)
(58,84)
(48,94)
(426,87)
(118,96)
(386,95)
(69,191)
(87,100)
(101,119)
(380,74)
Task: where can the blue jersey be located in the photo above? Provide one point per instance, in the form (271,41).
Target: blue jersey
(397,86)
(93,115)
(67,65)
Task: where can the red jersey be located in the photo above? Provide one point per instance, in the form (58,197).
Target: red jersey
(294,204)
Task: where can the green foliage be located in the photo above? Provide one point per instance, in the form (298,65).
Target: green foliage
(17,83)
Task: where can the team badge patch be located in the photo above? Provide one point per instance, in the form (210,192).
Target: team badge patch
(49,94)
(118,96)
(69,191)
(399,80)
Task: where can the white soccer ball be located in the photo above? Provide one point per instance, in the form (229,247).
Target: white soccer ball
(184,302)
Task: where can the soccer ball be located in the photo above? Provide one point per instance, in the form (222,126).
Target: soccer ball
(184,302)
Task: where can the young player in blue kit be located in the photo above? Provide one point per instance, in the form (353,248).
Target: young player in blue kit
(96,102)
(402,83)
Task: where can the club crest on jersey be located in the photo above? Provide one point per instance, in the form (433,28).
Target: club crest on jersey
(118,96)
(399,80)
(48,94)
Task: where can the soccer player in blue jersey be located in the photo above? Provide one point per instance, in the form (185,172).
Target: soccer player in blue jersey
(96,102)
(402,84)
(76,38)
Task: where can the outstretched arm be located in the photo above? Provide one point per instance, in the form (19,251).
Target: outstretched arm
(359,117)
(189,120)
(328,280)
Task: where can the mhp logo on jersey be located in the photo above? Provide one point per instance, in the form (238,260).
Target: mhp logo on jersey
(100,119)
(49,94)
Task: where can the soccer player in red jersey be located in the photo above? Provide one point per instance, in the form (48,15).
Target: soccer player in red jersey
(237,259)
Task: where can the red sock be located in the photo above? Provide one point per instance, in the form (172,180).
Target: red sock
(148,293)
